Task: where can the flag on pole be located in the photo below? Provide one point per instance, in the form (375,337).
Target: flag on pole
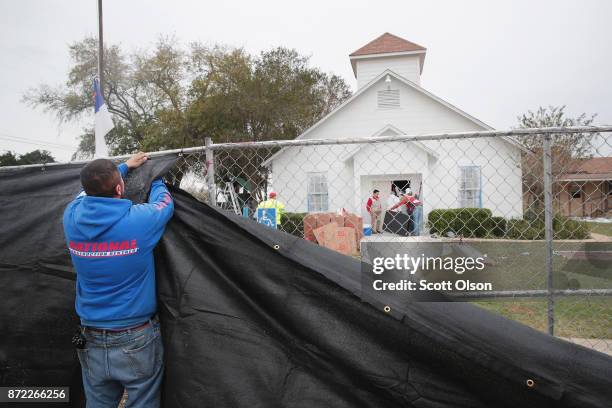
(103,121)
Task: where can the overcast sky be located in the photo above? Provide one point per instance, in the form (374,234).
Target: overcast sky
(492,59)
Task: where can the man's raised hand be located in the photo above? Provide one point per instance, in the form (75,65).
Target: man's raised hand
(136,160)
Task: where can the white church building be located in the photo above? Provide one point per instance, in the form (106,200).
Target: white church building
(391,101)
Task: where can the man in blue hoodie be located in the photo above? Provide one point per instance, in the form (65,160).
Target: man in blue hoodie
(111,242)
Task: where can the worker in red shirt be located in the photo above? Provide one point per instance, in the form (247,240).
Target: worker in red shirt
(411,202)
(374,207)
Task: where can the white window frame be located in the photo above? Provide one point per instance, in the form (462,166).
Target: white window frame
(317,192)
(470,191)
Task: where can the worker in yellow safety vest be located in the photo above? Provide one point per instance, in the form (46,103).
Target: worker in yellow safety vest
(272,202)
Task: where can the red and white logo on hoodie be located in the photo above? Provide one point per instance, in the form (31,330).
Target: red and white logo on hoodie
(103,249)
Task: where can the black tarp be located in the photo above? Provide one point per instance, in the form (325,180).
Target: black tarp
(254,317)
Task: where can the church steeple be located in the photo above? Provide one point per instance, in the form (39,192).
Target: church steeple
(388,51)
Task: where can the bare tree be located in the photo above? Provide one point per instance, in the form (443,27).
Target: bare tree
(566,148)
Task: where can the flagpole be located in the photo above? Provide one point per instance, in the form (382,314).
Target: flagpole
(100,48)
(103,122)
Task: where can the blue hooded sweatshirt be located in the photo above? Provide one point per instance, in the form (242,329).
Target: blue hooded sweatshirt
(111,243)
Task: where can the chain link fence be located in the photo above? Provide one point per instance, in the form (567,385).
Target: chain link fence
(539,201)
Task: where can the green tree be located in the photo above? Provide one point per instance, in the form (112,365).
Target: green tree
(172,96)
(565,148)
(8,158)
(34,157)
(132,101)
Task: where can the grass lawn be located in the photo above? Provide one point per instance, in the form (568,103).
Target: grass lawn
(521,265)
(584,317)
(601,228)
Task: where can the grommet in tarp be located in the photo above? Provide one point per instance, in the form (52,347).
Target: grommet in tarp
(387,309)
(276,246)
(530,383)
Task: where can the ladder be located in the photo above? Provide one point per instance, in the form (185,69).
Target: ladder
(229,191)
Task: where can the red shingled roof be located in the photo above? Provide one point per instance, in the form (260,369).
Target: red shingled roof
(387,43)
(597,168)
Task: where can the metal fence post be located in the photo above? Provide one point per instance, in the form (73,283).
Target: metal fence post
(548,227)
(210,172)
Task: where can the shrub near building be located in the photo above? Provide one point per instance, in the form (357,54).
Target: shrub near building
(469,222)
(293,223)
(480,223)
(476,223)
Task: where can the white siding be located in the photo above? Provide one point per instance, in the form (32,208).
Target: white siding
(349,168)
(500,171)
(418,113)
(389,161)
(407,66)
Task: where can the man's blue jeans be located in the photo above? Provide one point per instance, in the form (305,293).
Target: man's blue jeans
(113,361)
